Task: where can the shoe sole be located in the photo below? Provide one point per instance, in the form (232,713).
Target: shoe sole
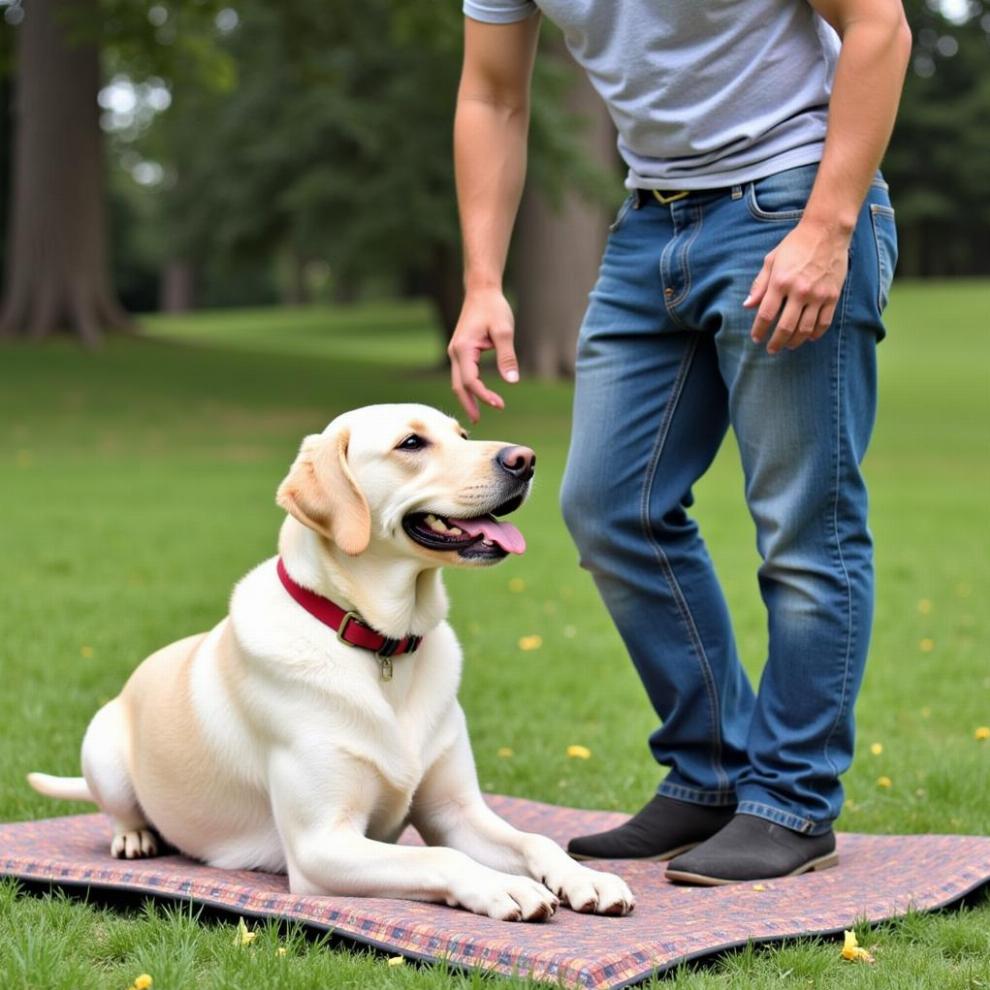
(700,880)
(658,858)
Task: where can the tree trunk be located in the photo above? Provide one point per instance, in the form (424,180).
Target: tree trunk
(558,251)
(445,286)
(57,274)
(295,286)
(177,286)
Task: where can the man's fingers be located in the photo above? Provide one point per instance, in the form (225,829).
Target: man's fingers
(825,318)
(505,354)
(787,324)
(760,283)
(806,326)
(463,396)
(767,314)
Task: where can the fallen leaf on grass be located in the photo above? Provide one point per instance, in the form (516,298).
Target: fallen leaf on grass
(852,951)
(244,934)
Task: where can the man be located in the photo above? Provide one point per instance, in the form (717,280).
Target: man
(742,284)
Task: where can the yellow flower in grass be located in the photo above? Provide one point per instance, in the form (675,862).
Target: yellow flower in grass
(982,733)
(926,645)
(86,652)
(884,782)
(925,606)
(244,934)
(516,584)
(876,748)
(577,752)
(396,960)
(142,982)
(852,951)
(281,950)
(504,752)
(528,643)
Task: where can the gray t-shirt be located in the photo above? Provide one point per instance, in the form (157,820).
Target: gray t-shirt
(704,93)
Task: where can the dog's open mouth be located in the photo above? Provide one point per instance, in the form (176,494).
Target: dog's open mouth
(479,537)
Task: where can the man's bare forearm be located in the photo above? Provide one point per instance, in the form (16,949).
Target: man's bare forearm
(490,165)
(876,46)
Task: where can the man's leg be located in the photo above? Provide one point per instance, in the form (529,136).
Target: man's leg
(803,420)
(650,412)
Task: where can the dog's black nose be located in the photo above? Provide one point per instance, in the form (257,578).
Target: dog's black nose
(520,462)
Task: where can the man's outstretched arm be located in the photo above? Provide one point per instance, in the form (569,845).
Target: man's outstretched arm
(798,287)
(491,126)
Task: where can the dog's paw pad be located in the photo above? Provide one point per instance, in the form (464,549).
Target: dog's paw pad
(135,843)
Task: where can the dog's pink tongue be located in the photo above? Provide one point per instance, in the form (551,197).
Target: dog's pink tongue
(503,533)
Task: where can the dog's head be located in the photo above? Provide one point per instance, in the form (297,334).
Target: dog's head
(408,477)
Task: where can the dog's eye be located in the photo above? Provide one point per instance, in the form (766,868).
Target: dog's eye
(412,442)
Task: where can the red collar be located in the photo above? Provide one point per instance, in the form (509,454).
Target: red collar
(350,627)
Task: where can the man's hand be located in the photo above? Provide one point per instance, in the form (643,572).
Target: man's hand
(799,285)
(486,322)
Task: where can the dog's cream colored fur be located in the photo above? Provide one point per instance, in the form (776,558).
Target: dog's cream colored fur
(266,743)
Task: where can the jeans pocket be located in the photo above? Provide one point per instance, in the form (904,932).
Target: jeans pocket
(627,205)
(782,196)
(885,238)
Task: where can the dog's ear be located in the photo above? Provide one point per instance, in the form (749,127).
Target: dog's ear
(321,493)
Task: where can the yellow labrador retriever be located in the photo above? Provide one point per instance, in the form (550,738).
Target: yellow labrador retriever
(312,724)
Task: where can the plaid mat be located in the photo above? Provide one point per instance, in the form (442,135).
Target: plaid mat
(879,877)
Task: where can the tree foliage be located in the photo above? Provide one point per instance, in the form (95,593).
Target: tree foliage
(939,158)
(334,144)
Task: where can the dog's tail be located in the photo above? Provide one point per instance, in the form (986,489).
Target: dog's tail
(63,788)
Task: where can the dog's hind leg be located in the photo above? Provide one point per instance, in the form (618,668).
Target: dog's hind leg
(105,767)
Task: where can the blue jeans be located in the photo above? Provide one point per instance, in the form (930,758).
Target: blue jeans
(665,366)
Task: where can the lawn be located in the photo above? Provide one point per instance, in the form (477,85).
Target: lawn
(137,484)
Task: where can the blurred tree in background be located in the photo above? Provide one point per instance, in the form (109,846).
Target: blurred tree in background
(938,164)
(283,153)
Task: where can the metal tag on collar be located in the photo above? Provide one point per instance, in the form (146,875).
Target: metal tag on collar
(384,654)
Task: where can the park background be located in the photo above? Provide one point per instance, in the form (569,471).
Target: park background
(224,223)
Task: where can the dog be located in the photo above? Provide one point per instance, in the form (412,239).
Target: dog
(320,717)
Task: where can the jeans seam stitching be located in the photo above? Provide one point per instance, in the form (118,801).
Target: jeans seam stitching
(850,625)
(673,790)
(665,254)
(779,813)
(700,220)
(668,571)
(758,213)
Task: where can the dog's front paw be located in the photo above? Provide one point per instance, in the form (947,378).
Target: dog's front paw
(507,897)
(137,843)
(592,892)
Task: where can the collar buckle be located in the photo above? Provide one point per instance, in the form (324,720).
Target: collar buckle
(348,618)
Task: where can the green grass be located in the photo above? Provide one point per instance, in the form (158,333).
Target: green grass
(136,485)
